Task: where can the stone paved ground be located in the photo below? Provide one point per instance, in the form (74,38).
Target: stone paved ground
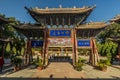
(112,72)
(65,70)
(60,70)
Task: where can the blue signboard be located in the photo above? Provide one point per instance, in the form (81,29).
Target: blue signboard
(84,43)
(60,33)
(36,43)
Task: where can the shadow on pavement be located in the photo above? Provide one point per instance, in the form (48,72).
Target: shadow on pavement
(3,78)
(116,77)
(115,67)
(11,71)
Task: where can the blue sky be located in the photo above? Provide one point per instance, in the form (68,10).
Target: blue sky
(105,9)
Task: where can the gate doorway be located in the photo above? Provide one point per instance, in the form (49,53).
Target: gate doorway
(60,59)
(60,54)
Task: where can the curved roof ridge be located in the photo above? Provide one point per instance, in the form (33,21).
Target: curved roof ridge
(93,25)
(96,23)
(60,10)
(115,19)
(84,7)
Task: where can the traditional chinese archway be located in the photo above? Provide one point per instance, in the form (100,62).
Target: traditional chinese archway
(63,32)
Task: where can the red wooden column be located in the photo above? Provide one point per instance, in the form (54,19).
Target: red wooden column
(119,51)
(91,60)
(75,52)
(46,47)
(43,49)
(3,49)
(119,48)
(96,56)
(75,46)
(28,53)
(94,52)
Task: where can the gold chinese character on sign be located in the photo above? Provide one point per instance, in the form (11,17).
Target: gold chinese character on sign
(62,32)
(87,43)
(58,33)
(67,32)
(54,33)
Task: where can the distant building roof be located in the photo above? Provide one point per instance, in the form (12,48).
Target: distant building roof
(116,19)
(115,38)
(4,40)
(4,20)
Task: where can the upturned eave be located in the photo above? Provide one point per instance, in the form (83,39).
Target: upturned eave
(93,25)
(60,10)
(29,27)
(4,20)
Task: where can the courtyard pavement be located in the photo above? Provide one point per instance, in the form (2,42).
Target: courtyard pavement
(64,70)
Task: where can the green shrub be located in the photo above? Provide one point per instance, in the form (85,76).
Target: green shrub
(108,48)
(105,62)
(84,51)
(102,64)
(7,54)
(39,63)
(79,64)
(17,61)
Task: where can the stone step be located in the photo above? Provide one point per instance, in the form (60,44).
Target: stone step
(7,68)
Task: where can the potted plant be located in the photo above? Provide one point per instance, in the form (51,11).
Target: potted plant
(57,54)
(40,64)
(79,64)
(66,54)
(102,65)
(17,61)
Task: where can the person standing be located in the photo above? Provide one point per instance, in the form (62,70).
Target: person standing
(1,63)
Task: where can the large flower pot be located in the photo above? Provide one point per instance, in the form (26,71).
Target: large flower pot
(39,68)
(16,69)
(104,69)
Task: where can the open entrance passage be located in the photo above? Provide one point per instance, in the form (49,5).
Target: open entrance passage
(60,54)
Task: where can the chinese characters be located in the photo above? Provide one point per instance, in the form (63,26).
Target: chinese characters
(60,33)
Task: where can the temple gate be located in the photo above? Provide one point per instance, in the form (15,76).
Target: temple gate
(63,31)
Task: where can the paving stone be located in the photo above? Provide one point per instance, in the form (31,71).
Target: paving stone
(66,70)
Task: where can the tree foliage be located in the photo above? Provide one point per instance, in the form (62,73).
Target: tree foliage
(108,49)
(16,43)
(111,31)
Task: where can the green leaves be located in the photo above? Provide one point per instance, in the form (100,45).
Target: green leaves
(17,61)
(108,49)
(79,64)
(111,31)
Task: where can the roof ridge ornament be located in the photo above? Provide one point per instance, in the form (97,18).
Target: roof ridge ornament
(36,7)
(46,7)
(91,21)
(117,16)
(85,7)
(94,6)
(74,6)
(60,6)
